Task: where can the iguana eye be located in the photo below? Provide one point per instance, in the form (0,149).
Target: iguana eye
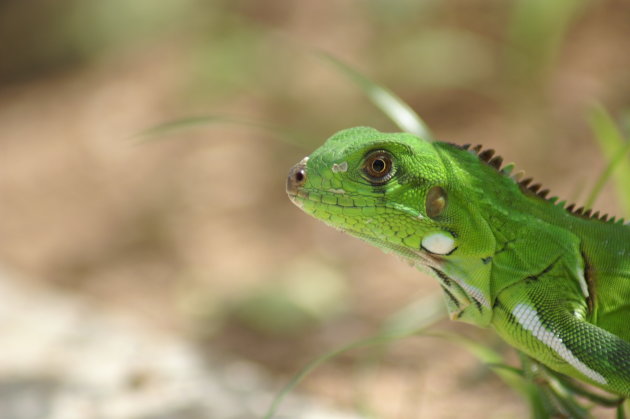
(436,201)
(378,167)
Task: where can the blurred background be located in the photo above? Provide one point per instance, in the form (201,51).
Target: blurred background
(172,278)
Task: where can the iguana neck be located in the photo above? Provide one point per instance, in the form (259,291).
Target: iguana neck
(530,234)
(513,223)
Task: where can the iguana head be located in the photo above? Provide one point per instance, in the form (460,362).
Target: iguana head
(390,189)
(398,192)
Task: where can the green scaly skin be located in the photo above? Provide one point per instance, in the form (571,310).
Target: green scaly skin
(552,283)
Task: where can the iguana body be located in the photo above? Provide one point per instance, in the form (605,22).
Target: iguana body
(553,282)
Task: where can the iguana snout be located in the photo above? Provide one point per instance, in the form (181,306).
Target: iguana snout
(296,178)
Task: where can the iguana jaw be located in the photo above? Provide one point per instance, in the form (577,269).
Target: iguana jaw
(458,300)
(317,203)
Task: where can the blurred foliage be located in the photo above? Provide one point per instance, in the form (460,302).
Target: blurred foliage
(535,36)
(305,295)
(40,36)
(518,76)
(615,147)
(396,110)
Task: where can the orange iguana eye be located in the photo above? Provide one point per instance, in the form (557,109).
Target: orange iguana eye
(436,201)
(378,166)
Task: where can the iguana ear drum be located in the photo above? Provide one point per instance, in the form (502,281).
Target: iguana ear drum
(436,201)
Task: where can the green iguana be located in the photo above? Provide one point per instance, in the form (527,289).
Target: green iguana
(554,282)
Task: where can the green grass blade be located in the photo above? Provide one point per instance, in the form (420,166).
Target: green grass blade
(565,400)
(535,34)
(407,322)
(510,375)
(160,131)
(391,105)
(615,149)
(297,378)
(608,400)
(541,402)
(621,410)
(605,175)
(415,316)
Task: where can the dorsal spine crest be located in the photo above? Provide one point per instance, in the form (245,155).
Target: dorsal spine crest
(488,157)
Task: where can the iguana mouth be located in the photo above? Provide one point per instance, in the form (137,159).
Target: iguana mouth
(299,196)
